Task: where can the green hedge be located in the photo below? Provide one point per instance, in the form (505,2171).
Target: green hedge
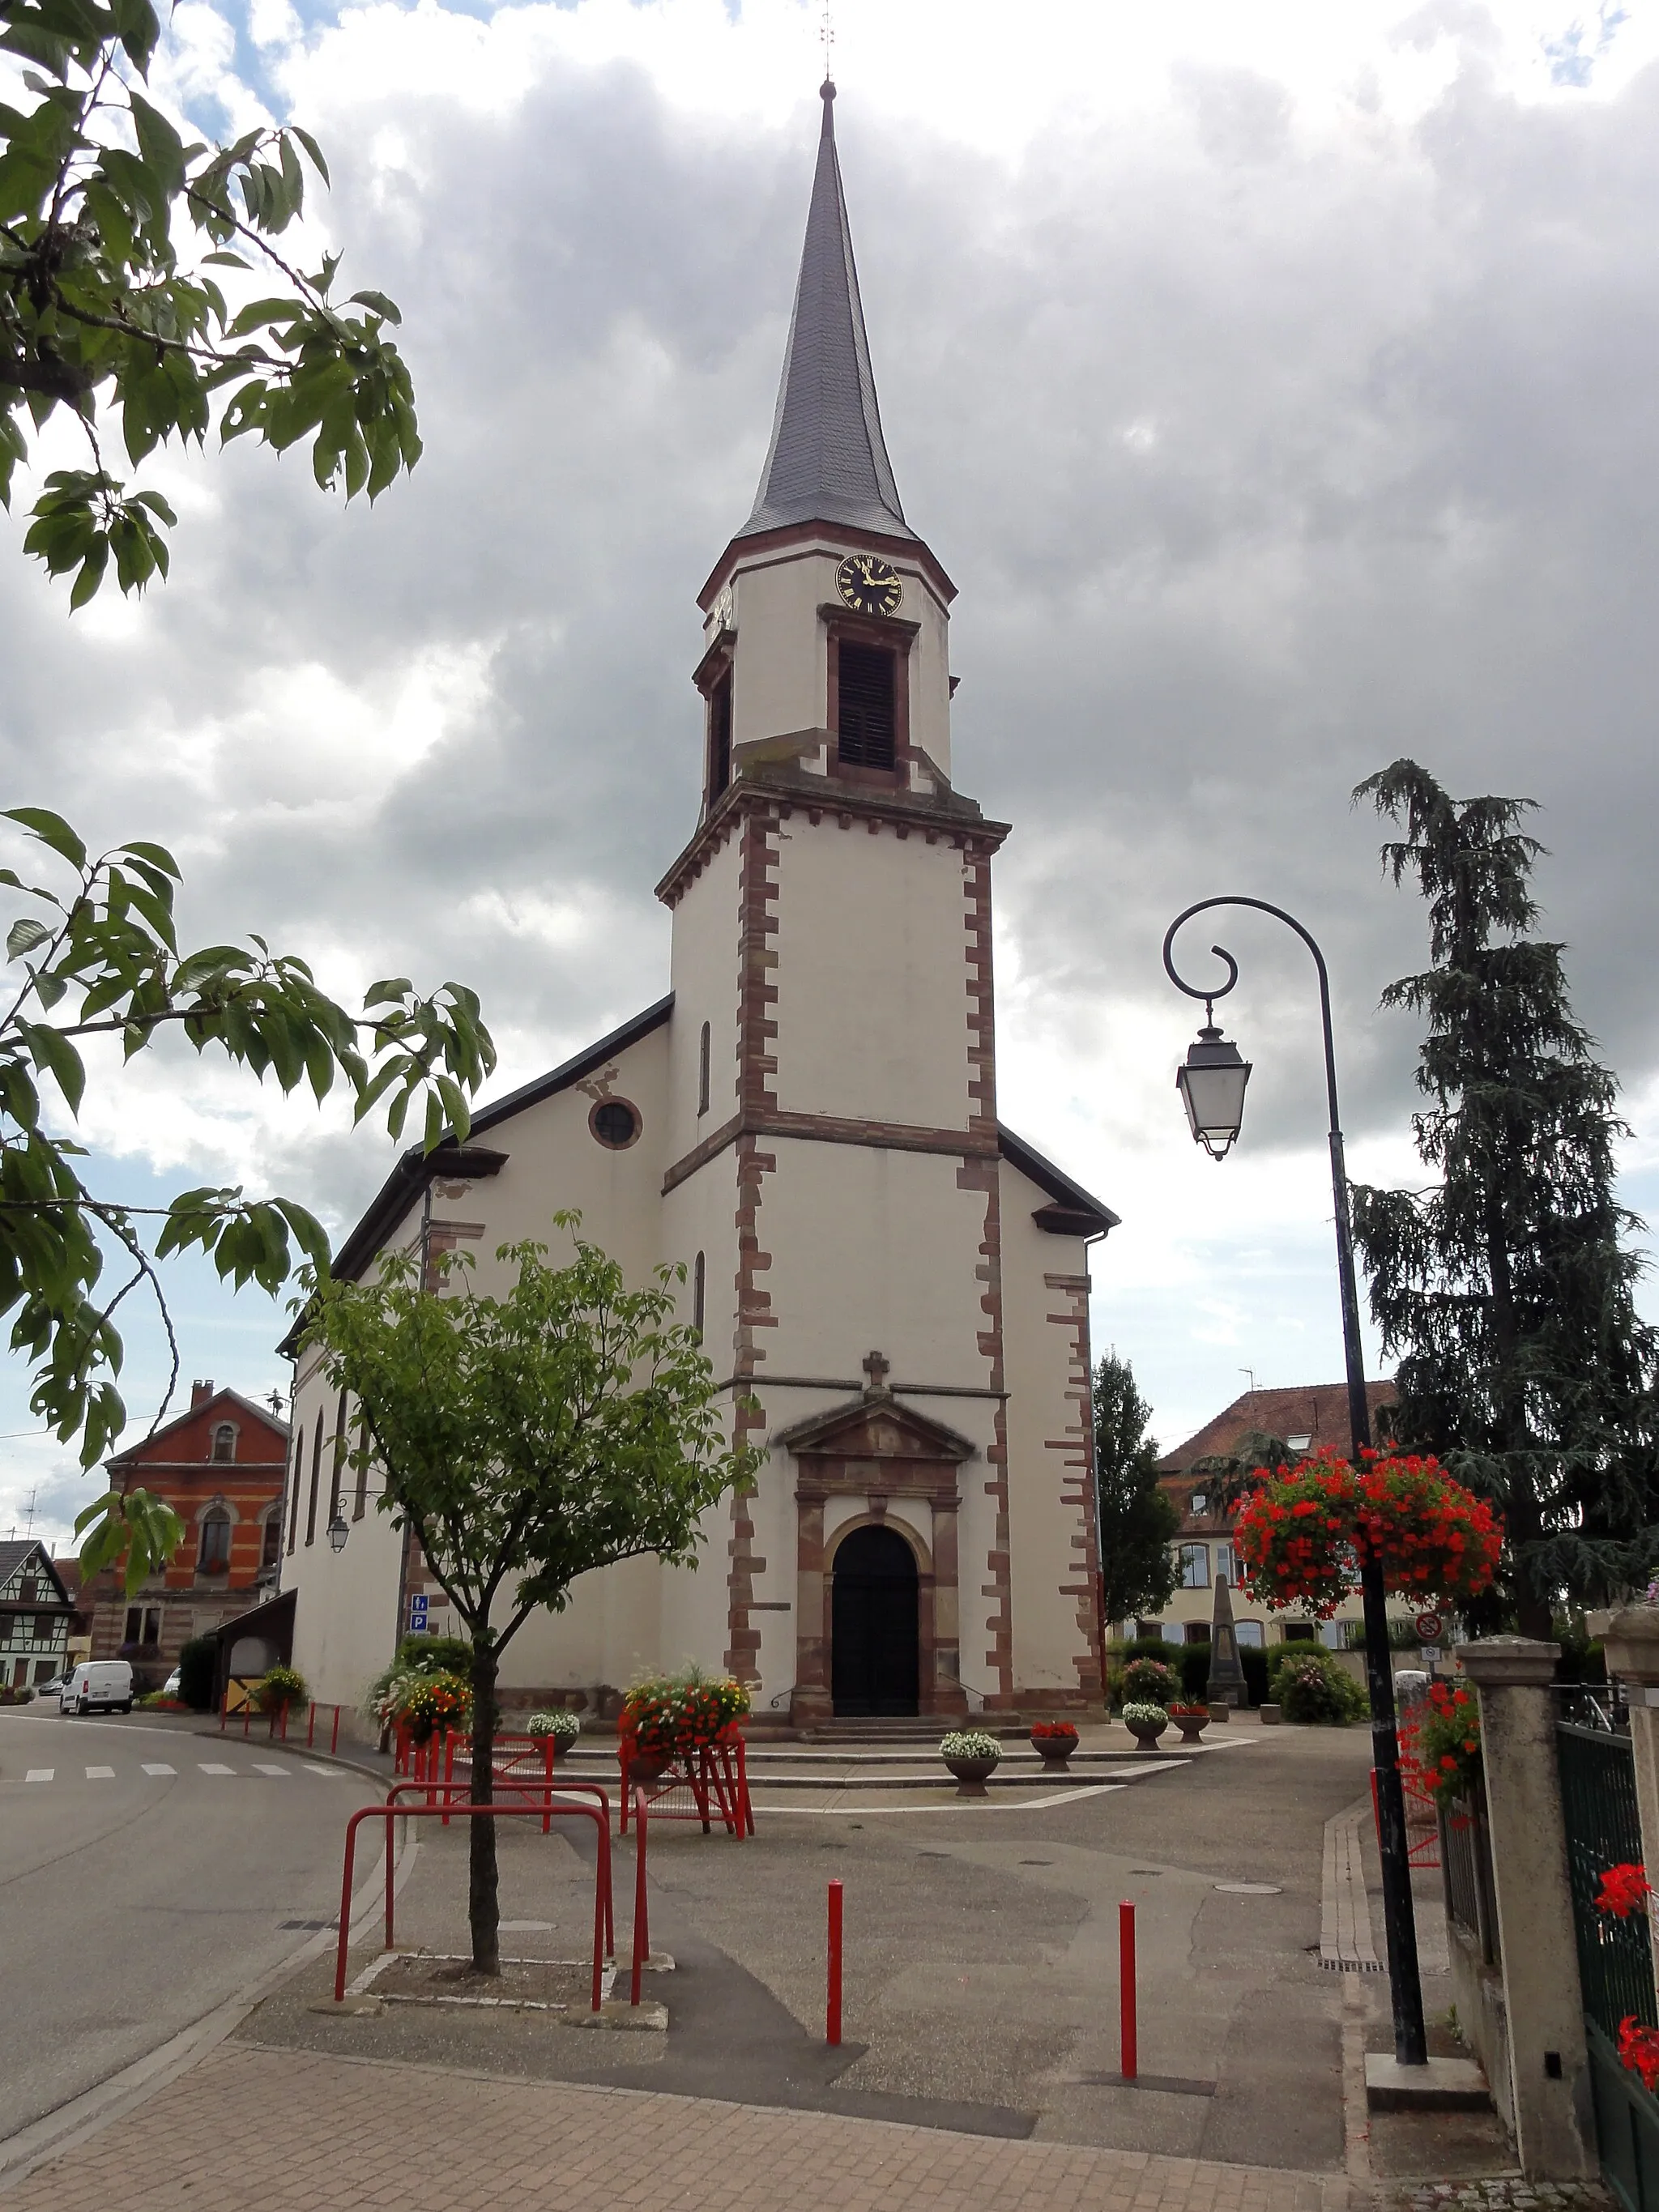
(198,1672)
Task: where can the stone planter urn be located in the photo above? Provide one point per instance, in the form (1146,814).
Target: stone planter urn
(1192,1725)
(972,1774)
(1054,1750)
(1145,1724)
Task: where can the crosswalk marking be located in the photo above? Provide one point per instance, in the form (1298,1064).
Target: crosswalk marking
(207,1769)
(328,1773)
(159,1770)
(258,1768)
(40,1774)
(101,1774)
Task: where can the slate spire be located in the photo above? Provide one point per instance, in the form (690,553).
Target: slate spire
(828,461)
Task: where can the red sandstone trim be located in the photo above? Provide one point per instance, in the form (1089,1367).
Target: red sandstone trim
(1078,1445)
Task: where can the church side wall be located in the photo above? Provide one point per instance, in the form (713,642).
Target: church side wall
(872,1011)
(705,979)
(1052,1522)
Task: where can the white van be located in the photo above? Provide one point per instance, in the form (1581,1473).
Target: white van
(106,1682)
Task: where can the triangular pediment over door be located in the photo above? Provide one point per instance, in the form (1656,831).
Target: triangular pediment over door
(875,1427)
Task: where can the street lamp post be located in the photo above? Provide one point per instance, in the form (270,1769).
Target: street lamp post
(1211,1084)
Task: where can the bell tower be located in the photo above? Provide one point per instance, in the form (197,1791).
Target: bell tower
(832,1080)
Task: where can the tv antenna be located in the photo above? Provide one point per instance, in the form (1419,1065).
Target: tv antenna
(827,33)
(1250,1371)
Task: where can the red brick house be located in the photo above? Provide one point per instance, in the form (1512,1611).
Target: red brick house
(220,1466)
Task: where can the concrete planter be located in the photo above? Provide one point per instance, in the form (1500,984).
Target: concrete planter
(1054,1750)
(972,1775)
(1146,1733)
(1192,1725)
(1268,1716)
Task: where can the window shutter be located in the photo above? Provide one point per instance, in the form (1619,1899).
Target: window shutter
(864,703)
(719,736)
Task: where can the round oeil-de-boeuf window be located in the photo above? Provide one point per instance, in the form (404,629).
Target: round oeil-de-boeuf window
(615,1123)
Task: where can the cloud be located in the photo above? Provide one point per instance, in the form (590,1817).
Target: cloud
(1275,383)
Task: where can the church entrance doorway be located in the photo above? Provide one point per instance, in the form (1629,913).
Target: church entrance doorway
(875,1621)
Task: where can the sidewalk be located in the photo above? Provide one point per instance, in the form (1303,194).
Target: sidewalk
(269,2130)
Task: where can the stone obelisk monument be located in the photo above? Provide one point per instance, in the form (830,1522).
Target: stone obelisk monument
(1226,1674)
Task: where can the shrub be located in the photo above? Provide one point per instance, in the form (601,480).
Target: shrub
(1194,1670)
(968,1743)
(1315,1690)
(560,1724)
(434,1655)
(1254,1663)
(198,1672)
(1150,1681)
(279,1686)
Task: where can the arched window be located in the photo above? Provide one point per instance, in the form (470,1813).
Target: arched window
(702,1072)
(214,1557)
(698,1274)
(273,1540)
(224,1441)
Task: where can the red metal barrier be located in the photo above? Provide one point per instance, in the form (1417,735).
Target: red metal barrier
(717,1773)
(832,2007)
(389,1813)
(1420,1815)
(310,1728)
(449,1796)
(1126,1983)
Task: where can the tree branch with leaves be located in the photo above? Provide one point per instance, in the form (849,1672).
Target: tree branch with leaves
(111,228)
(98,958)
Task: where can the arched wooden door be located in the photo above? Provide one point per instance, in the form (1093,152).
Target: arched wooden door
(874,1624)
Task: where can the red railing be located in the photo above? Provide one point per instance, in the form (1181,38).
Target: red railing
(715,1775)
(1422,1819)
(277,1721)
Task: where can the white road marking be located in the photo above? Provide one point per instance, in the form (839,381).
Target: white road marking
(101,1774)
(328,1773)
(149,1769)
(258,1768)
(40,1774)
(206,1769)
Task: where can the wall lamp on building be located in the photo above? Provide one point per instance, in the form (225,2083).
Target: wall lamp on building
(338,1533)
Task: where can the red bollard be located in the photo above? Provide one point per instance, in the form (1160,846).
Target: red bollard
(247,1714)
(832,2025)
(311,1724)
(641,1922)
(1125,1977)
(224,1708)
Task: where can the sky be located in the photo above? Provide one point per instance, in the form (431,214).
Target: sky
(1277,383)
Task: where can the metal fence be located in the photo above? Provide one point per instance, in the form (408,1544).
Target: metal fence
(1615,1957)
(1466,1860)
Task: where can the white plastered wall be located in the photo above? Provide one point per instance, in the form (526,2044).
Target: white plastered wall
(872,998)
(704,970)
(1037,1353)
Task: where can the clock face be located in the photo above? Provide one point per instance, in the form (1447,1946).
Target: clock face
(868,585)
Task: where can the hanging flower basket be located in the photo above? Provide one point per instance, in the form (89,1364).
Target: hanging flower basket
(431,1702)
(1302,1533)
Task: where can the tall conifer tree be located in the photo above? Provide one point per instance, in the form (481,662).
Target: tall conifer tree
(1506,1289)
(1137,1519)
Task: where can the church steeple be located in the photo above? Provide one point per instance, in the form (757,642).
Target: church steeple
(828,461)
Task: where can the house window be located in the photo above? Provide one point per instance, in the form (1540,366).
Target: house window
(359,1503)
(1298,1632)
(866,703)
(135,1628)
(1198,1631)
(1298,1444)
(45,1623)
(703,1071)
(143,1625)
(45,1669)
(273,1540)
(224,1441)
(699,1274)
(719,736)
(296,1476)
(1194,1566)
(1149,1632)
(28,1589)
(1199,1504)
(1250,1637)
(1225,1564)
(214,1557)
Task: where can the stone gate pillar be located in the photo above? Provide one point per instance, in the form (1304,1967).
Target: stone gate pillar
(1549,2061)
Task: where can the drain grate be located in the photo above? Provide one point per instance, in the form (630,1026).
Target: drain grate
(311,1926)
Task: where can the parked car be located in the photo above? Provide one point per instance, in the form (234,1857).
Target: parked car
(98,1682)
(170,1687)
(55,1688)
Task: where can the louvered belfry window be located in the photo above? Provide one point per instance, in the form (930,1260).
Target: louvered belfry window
(865,684)
(719,736)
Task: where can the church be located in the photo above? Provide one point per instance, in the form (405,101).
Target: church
(892,1285)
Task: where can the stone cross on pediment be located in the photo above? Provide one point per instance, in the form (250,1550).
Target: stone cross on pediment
(878,1369)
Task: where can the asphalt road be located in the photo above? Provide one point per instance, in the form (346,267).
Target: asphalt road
(133,1901)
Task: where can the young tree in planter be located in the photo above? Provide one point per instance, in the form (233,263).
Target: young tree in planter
(1137,1519)
(526,1439)
(1507,1287)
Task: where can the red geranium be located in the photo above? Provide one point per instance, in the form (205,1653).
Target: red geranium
(1053,1729)
(1624,1889)
(1638,2049)
(1302,1533)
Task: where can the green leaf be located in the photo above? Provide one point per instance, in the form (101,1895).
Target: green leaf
(316,154)
(24,935)
(380,303)
(51,829)
(159,144)
(52,1053)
